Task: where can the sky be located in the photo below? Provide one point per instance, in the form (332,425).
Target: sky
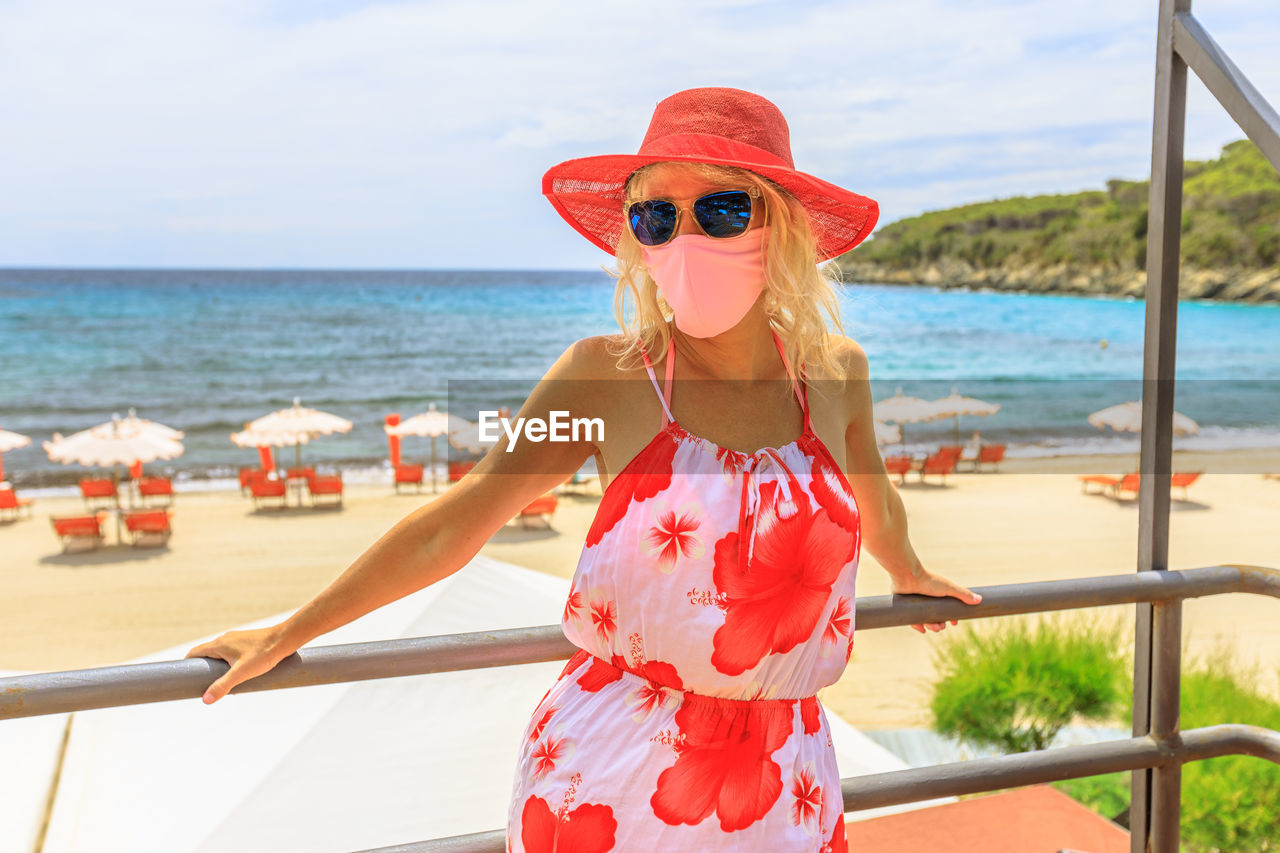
(414,135)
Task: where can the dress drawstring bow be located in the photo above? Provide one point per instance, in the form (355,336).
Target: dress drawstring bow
(750,503)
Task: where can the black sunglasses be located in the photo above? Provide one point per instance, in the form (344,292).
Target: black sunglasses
(722,215)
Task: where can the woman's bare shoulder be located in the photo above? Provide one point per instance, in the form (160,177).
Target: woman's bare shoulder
(590,358)
(853,358)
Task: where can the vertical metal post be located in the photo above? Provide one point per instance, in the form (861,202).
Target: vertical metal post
(1154,805)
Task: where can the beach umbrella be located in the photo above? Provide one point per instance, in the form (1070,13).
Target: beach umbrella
(294,426)
(1127,417)
(10,441)
(954,406)
(887,433)
(901,409)
(468,438)
(116,442)
(432,424)
(264,442)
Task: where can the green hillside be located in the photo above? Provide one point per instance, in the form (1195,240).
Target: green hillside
(1231,221)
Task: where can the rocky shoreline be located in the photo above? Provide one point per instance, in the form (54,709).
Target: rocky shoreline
(1239,285)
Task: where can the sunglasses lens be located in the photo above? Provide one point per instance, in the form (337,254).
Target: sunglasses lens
(724,214)
(653,222)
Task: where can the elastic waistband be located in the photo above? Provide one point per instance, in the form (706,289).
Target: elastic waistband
(611,672)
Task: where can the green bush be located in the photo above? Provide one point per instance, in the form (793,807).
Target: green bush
(1016,685)
(1230,803)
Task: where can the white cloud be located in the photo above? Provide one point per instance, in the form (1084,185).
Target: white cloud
(416,133)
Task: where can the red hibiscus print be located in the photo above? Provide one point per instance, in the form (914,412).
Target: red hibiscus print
(572,605)
(839,623)
(848,650)
(547,753)
(643,477)
(600,673)
(661,687)
(589,828)
(673,537)
(774,603)
(604,615)
(731,461)
(831,493)
(542,723)
(809,715)
(807,800)
(837,843)
(724,766)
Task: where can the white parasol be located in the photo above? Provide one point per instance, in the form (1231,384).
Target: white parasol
(295,426)
(954,406)
(1127,417)
(10,441)
(887,433)
(901,409)
(431,424)
(119,441)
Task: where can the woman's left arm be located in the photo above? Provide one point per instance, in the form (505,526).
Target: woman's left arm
(883,515)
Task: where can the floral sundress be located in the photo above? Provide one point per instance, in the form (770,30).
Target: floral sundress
(714,596)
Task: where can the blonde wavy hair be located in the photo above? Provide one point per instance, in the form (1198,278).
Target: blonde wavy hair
(797,290)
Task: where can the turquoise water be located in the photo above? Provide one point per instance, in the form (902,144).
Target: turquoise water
(205,351)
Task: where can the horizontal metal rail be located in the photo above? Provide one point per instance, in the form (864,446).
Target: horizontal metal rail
(1257,118)
(875,790)
(137,684)
(104,687)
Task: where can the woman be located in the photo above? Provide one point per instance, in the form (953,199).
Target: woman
(715,592)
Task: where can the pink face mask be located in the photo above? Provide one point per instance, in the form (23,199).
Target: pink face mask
(709,283)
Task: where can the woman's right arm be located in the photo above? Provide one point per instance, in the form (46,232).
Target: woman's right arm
(433,541)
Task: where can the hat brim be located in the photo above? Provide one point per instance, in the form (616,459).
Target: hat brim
(589,193)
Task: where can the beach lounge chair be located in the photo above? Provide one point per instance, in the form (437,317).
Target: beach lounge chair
(1128,483)
(939,463)
(158,489)
(148,525)
(96,490)
(542,508)
(1183,479)
(458,470)
(992,453)
(323,486)
(83,529)
(900,465)
(1106,481)
(409,475)
(264,488)
(11,505)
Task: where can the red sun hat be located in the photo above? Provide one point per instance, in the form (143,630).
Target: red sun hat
(723,126)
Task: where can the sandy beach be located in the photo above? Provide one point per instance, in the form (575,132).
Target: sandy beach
(227,564)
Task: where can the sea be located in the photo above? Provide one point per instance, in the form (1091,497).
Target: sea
(205,351)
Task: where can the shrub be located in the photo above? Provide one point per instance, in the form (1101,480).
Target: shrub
(1015,686)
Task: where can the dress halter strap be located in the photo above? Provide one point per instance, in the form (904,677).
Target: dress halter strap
(664,392)
(662,398)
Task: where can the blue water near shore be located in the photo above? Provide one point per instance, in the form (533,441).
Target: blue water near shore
(206,351)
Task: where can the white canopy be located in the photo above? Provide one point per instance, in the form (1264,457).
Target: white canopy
(887,433)
(294,425)
(1127,417)
(120,441)
(330,767)
(12,440)
(430,423)
(901,409)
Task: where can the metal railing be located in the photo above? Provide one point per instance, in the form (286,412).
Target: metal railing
(114,686)
(1156,751)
